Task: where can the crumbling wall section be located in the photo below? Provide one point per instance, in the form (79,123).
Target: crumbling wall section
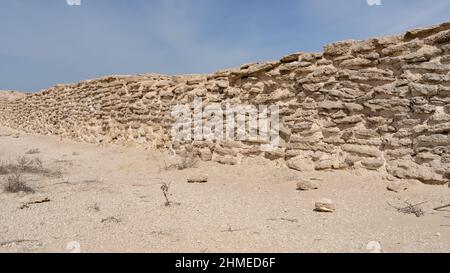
(382,103)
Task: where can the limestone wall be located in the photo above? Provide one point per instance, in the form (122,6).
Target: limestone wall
(381,104)
(8,95)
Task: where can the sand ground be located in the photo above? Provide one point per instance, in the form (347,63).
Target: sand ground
(109,199)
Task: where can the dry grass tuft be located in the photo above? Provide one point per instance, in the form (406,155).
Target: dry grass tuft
(33,152)
(27,165)
(15,184)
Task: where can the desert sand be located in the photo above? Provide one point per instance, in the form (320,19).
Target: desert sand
(108,198)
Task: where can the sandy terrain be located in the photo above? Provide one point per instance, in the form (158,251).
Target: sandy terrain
(109,199)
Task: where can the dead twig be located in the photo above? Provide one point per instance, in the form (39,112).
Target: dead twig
(234,230)
(57,184)
(442,207)
(27,205)
(165,190)
(111,219)
(6,243)
(283,219)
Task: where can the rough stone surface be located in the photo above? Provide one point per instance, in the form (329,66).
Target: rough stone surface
(382,104)
(325,205)
(198,179)
(301,164)
(397,187)
(306,186)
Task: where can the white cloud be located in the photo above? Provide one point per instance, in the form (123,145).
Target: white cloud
(374,2)
(73,2)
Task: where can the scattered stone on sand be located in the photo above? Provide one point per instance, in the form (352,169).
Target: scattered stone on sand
(397,187)
(304,185)
(301,164)
(111,219)
(374,247)
(325,205)
(198,179)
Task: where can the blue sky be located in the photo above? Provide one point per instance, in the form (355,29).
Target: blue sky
(48,42)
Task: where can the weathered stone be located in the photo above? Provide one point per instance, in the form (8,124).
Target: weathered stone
(353,107)
(426,157)
(355,63)
(226,160)
(291,58)
(397,187)
(330,163)
(423,90)
(411,170)
(362,150)
(198,179)
(225,151)
(301,164)
(339,48)
(349,120)
(433,141)
(306,186)
(325,205)
(206,154)
(330,105)
(440,128)
(372,163)
(363,46)
(439,38)
(423,54)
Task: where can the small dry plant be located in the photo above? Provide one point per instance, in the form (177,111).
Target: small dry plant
(165,190)
(411,209)
(15,183)
(33,152)
(27,165)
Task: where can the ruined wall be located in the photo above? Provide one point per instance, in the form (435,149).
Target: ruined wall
(8,95)
(381,104)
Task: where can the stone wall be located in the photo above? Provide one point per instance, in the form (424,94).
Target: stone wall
(8,95)
(381,103)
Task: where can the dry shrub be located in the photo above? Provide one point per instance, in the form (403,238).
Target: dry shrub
(33,151)
(15,184)
(27,165)
(186,161)
(411,209)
